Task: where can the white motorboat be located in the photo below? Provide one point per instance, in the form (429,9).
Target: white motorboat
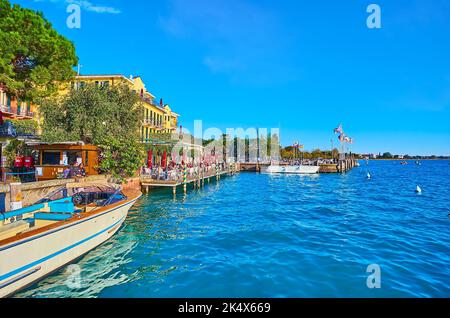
(298,169)
(39,239)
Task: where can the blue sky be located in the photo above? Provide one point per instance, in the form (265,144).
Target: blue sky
(303,66)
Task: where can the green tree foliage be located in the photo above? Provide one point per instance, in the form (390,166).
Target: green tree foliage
(24,127)
(106,117)
(290,153)
(33,56)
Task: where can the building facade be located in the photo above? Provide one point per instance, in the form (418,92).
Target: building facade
(158,118)
(13,108)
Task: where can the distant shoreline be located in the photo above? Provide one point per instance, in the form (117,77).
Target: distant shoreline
(394,159)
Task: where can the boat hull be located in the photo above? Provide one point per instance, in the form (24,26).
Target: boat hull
(291,169)
(25,261)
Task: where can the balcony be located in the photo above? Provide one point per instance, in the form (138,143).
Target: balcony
(13,112)
(151,102)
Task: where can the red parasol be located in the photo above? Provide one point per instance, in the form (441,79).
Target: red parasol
(164,160)
(149,159)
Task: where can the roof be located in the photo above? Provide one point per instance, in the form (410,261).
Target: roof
(105,75)
(68,143)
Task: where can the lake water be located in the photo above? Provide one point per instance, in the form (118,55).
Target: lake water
(255,235)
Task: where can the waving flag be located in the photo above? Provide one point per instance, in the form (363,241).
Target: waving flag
(348,139)
(339,130)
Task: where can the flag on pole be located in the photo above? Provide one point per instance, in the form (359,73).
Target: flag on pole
(348,139)
(339,130)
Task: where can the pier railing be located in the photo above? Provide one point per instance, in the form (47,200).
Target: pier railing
(177,174)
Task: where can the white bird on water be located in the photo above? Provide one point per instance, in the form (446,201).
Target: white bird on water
(418,190)
(368,176)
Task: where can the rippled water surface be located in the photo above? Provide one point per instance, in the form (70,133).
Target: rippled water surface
(255,235)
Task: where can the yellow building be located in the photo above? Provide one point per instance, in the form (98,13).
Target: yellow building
(157,117)
(12,108)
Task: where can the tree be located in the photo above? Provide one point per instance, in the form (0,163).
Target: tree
(106,117)
(33,56)
(387,155)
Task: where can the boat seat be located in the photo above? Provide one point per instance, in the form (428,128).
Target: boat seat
(13,229)
(30,209)
(66,206)
(52,216)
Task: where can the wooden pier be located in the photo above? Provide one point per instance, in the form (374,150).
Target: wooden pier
(197,181)
(341,167)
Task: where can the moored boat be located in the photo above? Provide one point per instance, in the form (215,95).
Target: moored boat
(68,223)
(298,169)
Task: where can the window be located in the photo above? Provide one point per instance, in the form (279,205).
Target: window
(51,157)
(72,157)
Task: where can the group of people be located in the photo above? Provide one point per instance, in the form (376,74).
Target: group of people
(175,171)
(308,162)
(75,170)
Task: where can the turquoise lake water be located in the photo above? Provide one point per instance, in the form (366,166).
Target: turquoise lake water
(255,235)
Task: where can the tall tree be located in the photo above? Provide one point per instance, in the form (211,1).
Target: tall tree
(106,117)
(33,56)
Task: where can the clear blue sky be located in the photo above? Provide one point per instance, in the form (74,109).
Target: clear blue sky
(303,66)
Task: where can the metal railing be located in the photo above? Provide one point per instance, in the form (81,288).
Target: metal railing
(13,110)
(24,176)
(154,123)
(176,173)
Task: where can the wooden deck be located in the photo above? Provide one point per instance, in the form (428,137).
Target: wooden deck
(198,181)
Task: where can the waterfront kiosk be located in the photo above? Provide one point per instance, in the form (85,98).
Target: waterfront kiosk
(52,159)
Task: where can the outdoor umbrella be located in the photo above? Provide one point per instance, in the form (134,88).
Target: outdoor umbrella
(149,159)
(164,160)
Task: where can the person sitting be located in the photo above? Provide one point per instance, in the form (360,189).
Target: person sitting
(81,171)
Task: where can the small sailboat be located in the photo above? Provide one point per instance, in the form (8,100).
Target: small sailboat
(369,176)
(404,162)
(66,224)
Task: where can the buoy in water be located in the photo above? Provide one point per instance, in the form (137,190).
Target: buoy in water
(418,190)
(368,176)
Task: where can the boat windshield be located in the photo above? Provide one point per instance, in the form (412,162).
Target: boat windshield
(86,194)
